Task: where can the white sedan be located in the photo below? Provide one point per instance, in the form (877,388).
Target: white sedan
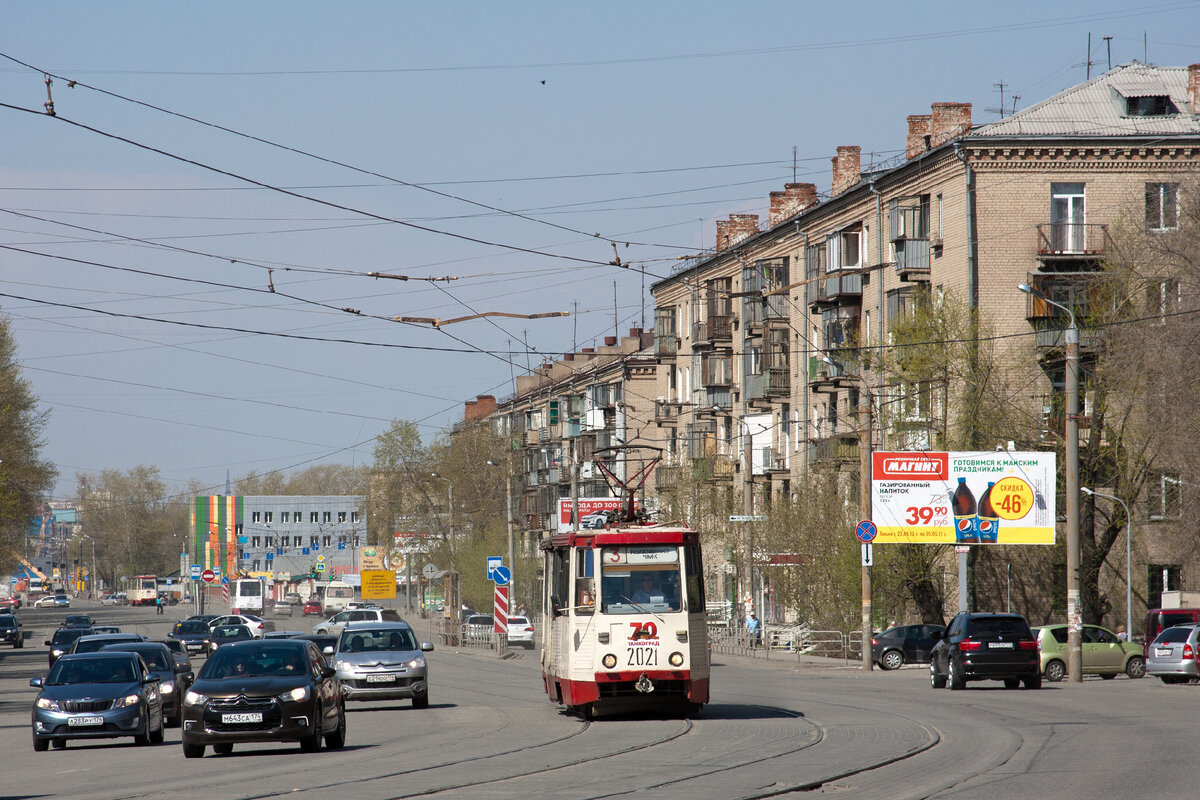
(53,601)
(257,625)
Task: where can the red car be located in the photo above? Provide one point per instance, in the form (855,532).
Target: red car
(312,607)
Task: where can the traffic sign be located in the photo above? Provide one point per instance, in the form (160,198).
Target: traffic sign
(430,571)
(492,563)
(868,555)
(208,576)
(320,567)
(320,558)
(866,531)
(747,518)
(195,571)
(502,576)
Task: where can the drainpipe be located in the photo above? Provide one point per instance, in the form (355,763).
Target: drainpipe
(972,237)
(804,362)
(879,308)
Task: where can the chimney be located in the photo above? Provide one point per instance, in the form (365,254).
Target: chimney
(918,138)
(483,406)
(794,198)
(568,356)
(847,168)
(610,341)
(635,332)
(1194,88)
(948,121)
(735,229)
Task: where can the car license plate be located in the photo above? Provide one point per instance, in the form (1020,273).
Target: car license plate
(381,678)
(75,722)
(233,719)
(1162,651)
(1000,645)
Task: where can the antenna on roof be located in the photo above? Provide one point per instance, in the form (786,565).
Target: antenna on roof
(1108,43)
(1088,63)
(999,85)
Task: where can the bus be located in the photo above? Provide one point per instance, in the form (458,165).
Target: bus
(145,591)
(247,595)
(336,597)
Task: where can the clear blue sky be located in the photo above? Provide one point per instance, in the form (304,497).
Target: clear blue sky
(137,279)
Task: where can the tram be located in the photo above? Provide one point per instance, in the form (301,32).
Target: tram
(624,619)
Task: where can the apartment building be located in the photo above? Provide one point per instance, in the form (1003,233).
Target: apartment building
(761,343)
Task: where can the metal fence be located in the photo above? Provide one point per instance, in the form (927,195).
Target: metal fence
(786,642)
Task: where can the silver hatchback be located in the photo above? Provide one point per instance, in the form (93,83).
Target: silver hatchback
(382,661)
(1172,655)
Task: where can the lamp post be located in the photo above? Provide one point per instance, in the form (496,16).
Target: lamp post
(1071,354)
(1128,557)
(512,564)
(450,524)
(865,423)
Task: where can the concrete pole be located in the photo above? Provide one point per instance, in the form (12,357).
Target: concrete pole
(864,488)
(1074,620)
(748,510)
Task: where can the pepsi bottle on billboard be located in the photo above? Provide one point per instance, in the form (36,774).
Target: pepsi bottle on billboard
(989,520)
(962,502)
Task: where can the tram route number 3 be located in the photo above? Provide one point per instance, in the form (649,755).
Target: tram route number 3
(643,655)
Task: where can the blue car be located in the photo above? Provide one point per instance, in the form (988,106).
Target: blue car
(97,696)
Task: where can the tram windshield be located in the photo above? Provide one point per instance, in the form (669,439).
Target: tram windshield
(637,579)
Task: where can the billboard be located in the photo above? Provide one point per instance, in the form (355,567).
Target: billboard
(378,584)
(588,508)
(988,497)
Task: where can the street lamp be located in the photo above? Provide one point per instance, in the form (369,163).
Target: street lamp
(1128,557)
(865,422)
(450,498)
(1074,623)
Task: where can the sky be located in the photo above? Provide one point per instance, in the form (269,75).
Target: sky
(186,245)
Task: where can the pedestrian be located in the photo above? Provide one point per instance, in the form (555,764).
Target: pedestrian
(753,627)
(159,604)
(1122,634)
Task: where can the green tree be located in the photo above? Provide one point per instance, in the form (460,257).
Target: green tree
(137,526)
(26,478)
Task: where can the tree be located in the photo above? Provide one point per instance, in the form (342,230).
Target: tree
(25,477)
(137,527)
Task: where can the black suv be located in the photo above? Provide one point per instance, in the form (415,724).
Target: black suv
(977,647)
(11,631)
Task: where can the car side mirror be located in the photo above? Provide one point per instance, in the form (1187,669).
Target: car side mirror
(327,650)
(181,668)
(47,643)
(427,646)
(35,683)
(327,672)
(150,679)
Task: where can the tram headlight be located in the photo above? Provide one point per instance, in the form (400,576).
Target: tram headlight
(609,661)
(676,659)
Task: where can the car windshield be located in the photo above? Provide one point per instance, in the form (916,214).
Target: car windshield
(367,641)
(156,659)
(1176,634)
(91,670)
(241,661)
(7,619)
(191,626)
(994,626)
(68,636)
(231,631)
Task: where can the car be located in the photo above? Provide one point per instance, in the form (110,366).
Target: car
(77,621)
(97,696)
(325,642)
(194,634)
(228,634)
(106,628)
(282,609)
(257,625)
(382,661)
(1103,653)
(594,521)
(520,631)
(478,628)
(264,690)
(169,598)
(63,639)
(293,598)
(340,620)
(111,599)
(181,656)
(93,642)
(1158,620)
(161,663)
(986,646)
(11,631)
(53,601)
(1171,657)
(905,644)
(312,608)
(9,604)
(283,634)
(207,619)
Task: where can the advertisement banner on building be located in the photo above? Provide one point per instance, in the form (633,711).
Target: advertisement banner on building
(590,512)
(988,497)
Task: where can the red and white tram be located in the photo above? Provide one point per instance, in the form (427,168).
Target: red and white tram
(625,626)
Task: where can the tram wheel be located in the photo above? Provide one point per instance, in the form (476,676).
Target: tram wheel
(587,712)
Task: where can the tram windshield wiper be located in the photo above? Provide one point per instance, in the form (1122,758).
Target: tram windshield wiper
(641,608)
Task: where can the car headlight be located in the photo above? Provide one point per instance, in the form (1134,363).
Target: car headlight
(297,695)
(167,688)
(48,704)
(676,659)
(193,698)
(417,662)
(57,651)
(128,700)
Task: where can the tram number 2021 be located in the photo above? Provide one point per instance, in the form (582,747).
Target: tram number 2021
(643,657)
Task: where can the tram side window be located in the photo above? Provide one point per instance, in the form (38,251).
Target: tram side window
(560,578)
(694,575)
(585,586)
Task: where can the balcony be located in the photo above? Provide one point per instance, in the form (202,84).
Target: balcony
(912,257)
(667,477)
(531,437)
(668,412)
(836,450)
(713,468)
(1052,335)
(666,346)
(714,329)
(767,386)
(1059,242)
(835,288)
(826,377)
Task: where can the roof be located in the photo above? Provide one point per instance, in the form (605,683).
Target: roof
(1097,107)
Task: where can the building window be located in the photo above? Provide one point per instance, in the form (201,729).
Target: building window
(325,540)
(268,517)
(1163,499)
(255,541)
(902,302)
(269,541)
(1150,106)
(341,516)
(314,516)
(1162,206)
(354,516)
(327,516)
(254,567)
(1067,232)
(296,541)
(1163,298)
(1162,578)
(315,541)
(254,516)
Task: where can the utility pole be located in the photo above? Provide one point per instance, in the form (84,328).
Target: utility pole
(865,423)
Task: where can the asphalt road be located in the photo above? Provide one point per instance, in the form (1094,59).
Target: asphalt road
(778,727)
